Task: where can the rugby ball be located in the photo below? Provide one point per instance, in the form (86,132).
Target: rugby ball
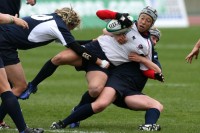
(113,26)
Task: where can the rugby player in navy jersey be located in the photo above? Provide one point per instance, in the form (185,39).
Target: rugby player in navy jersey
(10,103)
(12,7)
(43,29)
(125,83)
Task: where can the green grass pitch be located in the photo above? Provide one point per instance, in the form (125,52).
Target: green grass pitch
(58,94)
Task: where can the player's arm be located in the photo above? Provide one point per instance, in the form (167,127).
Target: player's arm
(194,52)
(120,38)
(153,75)
(105,32)
(31,2)
(9,19)
(121,17)
(106,14)
(153,72)
(83,52)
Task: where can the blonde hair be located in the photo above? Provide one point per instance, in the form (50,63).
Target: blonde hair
(69,16)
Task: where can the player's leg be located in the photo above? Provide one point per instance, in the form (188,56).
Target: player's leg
(96,82)
(67,56)
(107,96)
(152,107)
(17,78)
(9,102)
(11,105)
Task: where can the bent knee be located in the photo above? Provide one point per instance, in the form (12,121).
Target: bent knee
(159,106)
(99,107)
(20,86)
(58,59)
(95,90)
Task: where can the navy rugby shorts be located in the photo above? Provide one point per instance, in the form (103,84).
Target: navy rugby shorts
(127,79)
(8,54)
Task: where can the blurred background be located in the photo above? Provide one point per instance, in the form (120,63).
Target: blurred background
(179,22)
(192,8)
(171,13)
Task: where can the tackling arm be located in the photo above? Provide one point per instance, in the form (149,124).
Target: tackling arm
(154,71)
(81,51)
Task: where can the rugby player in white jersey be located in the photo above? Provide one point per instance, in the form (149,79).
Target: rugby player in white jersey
(96,76)
(124,88)
(114,52)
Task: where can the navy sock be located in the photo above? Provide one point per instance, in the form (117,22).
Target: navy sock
(152,115)
(2,113)
(47,70)
(11,105)
(81,113)
(86,98)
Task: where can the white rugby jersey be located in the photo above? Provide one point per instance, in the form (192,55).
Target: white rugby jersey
(118,53)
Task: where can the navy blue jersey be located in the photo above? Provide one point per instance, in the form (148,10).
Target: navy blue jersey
(11,7)
(155,56)
(43,29)
(155,59)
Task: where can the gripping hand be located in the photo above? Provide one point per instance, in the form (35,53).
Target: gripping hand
(159,77)
(124,20)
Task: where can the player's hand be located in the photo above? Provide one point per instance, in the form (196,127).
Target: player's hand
(104,64)
(121,38)
(135,57)
(31,2)
(159,77)
(194,52)
(20,22)
(124,20)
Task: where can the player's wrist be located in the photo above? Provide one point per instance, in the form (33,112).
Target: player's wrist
(104,64)
(11,19)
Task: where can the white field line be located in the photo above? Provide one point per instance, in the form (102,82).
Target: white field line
(175,46)
(169,84)
(57,131)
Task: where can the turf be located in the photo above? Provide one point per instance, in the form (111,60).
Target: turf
(58,94)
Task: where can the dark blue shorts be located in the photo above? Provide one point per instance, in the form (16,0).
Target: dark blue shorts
(8,54)
(94,48)
(127,79)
